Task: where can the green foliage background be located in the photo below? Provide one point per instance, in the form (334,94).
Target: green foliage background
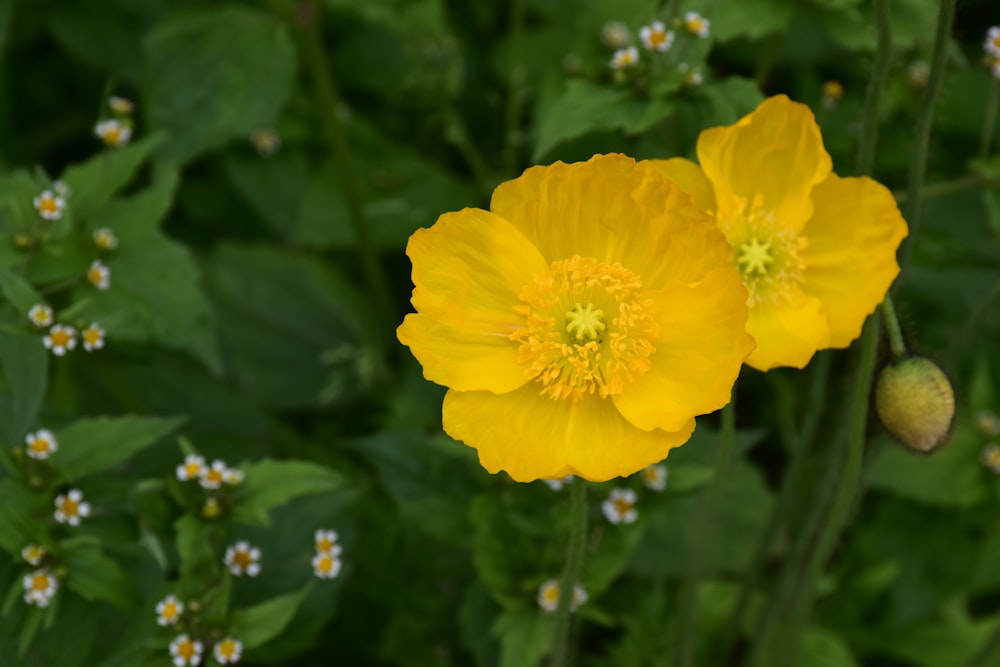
(254,300)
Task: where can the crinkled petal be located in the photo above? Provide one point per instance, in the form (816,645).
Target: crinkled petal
(775,154)
(788,331)
(688,177)
(702,345)
(851,257)
(468,270)
(533,437)
(613,210)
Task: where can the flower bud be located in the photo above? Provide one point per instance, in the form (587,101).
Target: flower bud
(916,403)
(211,509)
(987,424)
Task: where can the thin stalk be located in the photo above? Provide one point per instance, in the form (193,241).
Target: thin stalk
(989,119)
(571,574)
(515,85)
(922,131)
(873,96)
(951,186)
(703,540)
(896,344)
(328,103)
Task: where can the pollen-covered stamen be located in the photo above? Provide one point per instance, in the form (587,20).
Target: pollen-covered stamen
(589,329)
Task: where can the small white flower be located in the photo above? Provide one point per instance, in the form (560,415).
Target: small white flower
(558,483)
(992,43)
(113,132)
(99,275)
(326,542)
(185,651)
(41,444)
(60,339)
(693,78)
(61,189)
(93,337)
(241,558)
(39,587)
(228,651)
(627,57)
(266,141)
(548,596)
(121,105)
(70,508)
(917,73)
(620,506)
(991,457)
(655,477)
(233,476)
(615,34)
(212,477)
(696,24)
(33,554)
(169,610)
(105,239)
(49,206)
(192,468)
(41,315)
(656,37)
(326,564)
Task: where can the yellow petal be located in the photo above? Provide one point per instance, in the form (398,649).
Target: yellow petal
(775,154)
(533,437)
(703,343)
(688,177)
(851,257)
(468,270)
(613,210)
(788,331)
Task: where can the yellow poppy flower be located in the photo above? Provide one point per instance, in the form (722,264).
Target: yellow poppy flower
(580,324)
(817,252)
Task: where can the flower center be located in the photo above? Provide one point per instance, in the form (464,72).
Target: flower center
(622,506)
(227,648)
(589,329)
(48,205)
(170,610)
(186,650)
(40,582)
(39,445)
(755,256)
(60,338)
(242,559)
(69,507)
(92,336)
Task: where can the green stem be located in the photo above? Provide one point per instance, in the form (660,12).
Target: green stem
(515,85)
(951,186)
(572,572)
(328,103)
(990,119)
(922,131)
(896,343)
(873,96)
(703,540)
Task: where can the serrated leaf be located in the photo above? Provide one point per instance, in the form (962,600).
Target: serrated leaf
(19,516)
(215,75)
(265,621)
(752,19)
(525,637)
(194,547)
(25,365)
(93,183)
(584,107)
(270,483)
(94,576)
(730,99)
(822,648)
(88,446)
(18,291)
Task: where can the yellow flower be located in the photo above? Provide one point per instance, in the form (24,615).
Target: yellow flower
(581,323)
(817,252)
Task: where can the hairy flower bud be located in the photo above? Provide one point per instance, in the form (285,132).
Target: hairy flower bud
(916,403)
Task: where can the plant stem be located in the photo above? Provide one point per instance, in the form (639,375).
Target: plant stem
(572,572)
(703,540)
(989,119)
(896,344)
(873,96)
(328,105)
(951,186)
(515,85)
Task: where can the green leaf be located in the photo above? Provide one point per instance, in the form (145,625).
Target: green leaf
(524,637)
(730,99)
(93,183)
(822,648)
(94,576)
(20,516)
(25,364)
(88,446)
(263,622)
(752,19)
(18,291)
(270,483)
(215,75)
(199,562)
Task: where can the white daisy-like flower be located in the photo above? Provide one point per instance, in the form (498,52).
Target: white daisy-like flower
(99,275)
(50,206)
(121,105)
(327,542)
(93,337)
(233,476)
(326,564)
(615,34)
(991,457)
(655,477)
(228,651)
(61,189)
(192,468)
(113,132)
(40,587)
(70,507)
(548,596)
(559,482)
(41,315)
(620,506)
(266,141)
(33,554)
(241,558)
(169,610)
(696,24)
(213,476)
(992,43)
(656,37)
(41,444)
(627,57)
(186,652)
(105,239)
(60,339)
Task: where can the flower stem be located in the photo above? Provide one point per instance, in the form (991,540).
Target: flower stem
(702,542)
(572,572)
(515,85)
(892,329)
(873,96)
(990,119)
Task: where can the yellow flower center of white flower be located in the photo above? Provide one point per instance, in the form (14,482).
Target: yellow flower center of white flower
(48,205)
(695,24)
(588,328)
(242,559)
(92,336)
(657,37)
(169,610)
(39,446)
(95,274)
(40,581)
(227,648)
(991,457)
(325,563)
(60,338)
(551,594)
(622,505)
(324,544)
(192,468)
(186,649)
(69,507)
(213,476)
